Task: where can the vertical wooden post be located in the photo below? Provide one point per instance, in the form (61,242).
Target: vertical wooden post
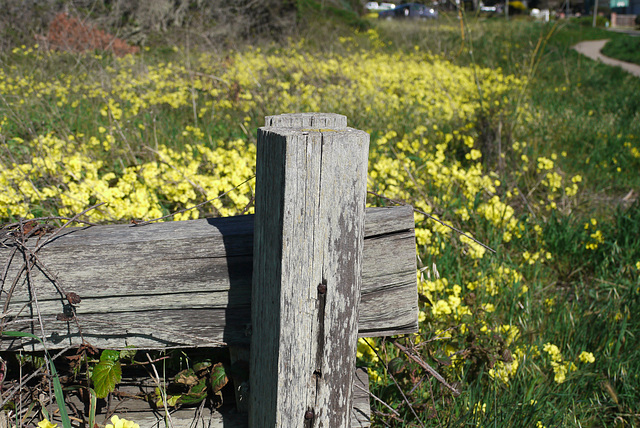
(309,230)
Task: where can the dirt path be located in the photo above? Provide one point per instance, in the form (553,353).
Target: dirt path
(592,48)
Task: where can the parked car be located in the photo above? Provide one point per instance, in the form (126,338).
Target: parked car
(409,10)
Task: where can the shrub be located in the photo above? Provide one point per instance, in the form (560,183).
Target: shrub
(587,21)
(72,35)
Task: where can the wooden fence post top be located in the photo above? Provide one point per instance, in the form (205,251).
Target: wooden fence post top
(332,121)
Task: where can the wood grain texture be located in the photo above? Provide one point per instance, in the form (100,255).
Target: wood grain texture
(188,283)
(307,120)
(308,241)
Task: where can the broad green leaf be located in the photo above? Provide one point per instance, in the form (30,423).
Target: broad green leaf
(106,374)
(171,399)
(110,355)
(218,378)
(203,365)
(196,394)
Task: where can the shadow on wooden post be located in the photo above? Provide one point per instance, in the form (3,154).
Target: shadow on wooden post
(309,229)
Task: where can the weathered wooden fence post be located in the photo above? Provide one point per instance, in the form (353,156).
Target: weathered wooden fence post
(309,229)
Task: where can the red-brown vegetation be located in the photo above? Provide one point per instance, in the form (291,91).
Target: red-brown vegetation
(70,34)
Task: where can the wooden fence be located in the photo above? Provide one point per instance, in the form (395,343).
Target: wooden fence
(296,284)
(618,20)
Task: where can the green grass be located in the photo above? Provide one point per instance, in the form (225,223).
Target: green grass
(624,48)
(583,113)
(592,113)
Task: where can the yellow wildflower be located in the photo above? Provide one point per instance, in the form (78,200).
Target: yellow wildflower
(587,357)
(116,422)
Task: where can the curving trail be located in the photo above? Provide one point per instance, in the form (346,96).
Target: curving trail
(592,48)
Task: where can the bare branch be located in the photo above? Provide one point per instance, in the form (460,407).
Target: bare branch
(143,223)
(434,219)
(427,367)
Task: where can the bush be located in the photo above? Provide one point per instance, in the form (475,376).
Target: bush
(72,35)
(139,21)
(587,21)
(625,48)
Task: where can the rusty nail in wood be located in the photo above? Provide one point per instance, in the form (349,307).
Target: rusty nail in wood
(308,415)
(322,288)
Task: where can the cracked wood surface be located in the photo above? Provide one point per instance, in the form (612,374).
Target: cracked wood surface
(188,283)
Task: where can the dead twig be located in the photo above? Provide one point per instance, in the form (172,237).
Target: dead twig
(427,367)
(31,260)
(14,283)
(9,393)
(5,272)
(144,363)
(143,223)
(163,392)
(372,395)
(434,219)
(72,220)
(51,218)
(404,397)
(29,263)
(36,262)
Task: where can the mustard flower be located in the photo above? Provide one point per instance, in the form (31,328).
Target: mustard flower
(553,351)
(365,352)
(479,408)
(46,424)
(587,357)
(374,376)
(504,371)
(475,250)
(116,422)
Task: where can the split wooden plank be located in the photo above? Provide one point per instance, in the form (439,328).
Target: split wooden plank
(188,283)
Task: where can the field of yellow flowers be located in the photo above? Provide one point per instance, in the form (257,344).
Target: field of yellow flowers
(541,333)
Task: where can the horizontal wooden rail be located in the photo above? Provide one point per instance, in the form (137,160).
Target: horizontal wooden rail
(188,283)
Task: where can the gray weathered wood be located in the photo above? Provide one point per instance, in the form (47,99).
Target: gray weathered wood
(188,283)
(308,120)
(311,176)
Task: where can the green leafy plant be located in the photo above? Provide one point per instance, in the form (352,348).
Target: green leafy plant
(191,386)
(107,373)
